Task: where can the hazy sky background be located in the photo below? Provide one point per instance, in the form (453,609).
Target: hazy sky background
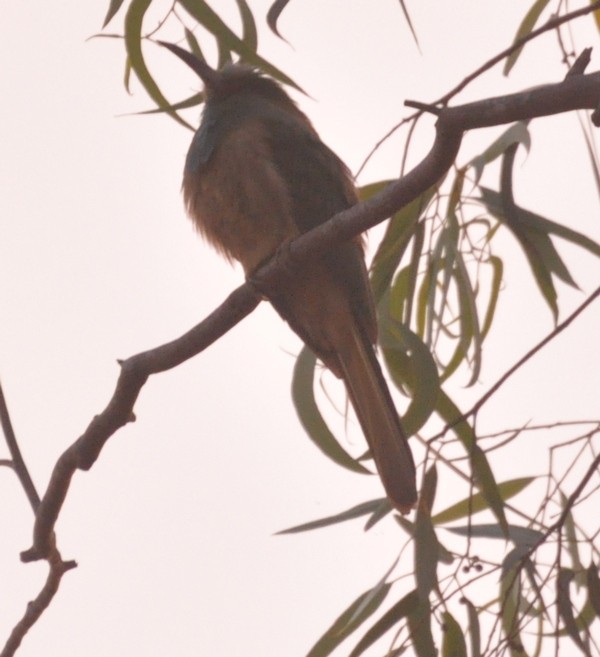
(173,527)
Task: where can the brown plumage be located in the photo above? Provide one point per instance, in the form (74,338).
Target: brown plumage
(257,174)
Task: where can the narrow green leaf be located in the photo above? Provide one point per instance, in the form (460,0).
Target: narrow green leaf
(350,514)
(380,512)
(483,476)
(453,640)
(249,34)
(511,599)
(474,629)
(527,25)
(516,133)
(565,607)
(419,622)
(477,502)
(342,628)
(193,44)
(310,416)
(525,536)
(133,44)
(113,8)
(392,617)
(411,365)
(498,271)
(200,11)
(192,101)
(273,15)
(593,585)
(426,544)
(572,542)
(399,231)
(409,23)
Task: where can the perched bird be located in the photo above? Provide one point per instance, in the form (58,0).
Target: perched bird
(256,175)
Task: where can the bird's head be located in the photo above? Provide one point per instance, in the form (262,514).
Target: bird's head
(232,79)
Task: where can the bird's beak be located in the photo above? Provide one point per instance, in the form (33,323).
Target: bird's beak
(208,75)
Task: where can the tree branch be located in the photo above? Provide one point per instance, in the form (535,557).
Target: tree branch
(576,92)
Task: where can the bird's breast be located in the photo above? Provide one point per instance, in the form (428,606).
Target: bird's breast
(238,198)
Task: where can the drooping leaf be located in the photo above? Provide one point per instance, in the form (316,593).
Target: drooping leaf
(380,512)
(526,26)
(350,514)
(477,502)
(392,617)
(342,627)
(510,603)
(426,544)
(310,416)
(409,23)
(208,18)
(483,476)
(519,535)
(565,607)
(399,231)
(498,271)
(517,133)
(133,44)
(593,586)
(411,365)
(474,629)
(249,34)
(419,622)
(453,640)
(274,13)
(113,8)
(572,542)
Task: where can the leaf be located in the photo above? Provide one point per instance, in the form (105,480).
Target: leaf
(519,535)
(409,23)
(249,35)
(533,233)
(498,271)
(474,629)
(200,11)
(113,8)
(310,416)
(274,13)
(510,597)
(593,585)
(192,101)
(426,544)
(565,607)
(394,615)
(527,25)
(133,44)
(385,507)
(350,514)
(517,133)
(342,627)
(399,231)
(482,472)
(572,542)
(453,640)
(419,622)
(410,364)
(477,502)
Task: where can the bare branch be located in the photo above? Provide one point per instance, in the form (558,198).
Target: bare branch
(576,92)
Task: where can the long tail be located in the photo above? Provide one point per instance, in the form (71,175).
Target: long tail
(379,420)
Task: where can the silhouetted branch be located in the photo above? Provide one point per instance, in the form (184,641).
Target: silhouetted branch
(577,92)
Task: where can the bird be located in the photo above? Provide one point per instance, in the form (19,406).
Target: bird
(256,176)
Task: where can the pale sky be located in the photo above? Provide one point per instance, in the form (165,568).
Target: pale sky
(173,527)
